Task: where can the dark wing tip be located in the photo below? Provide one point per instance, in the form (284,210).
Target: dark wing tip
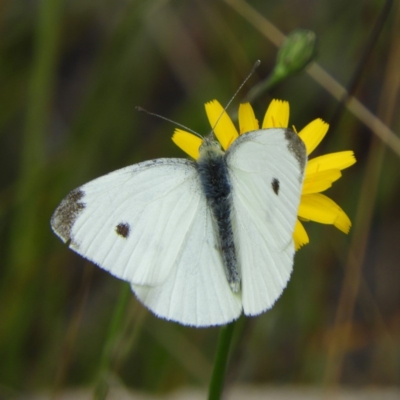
(66,214)
(297,147)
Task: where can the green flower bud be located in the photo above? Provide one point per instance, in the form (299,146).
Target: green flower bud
(296,52)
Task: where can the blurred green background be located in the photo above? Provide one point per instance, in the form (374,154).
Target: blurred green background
(71,74)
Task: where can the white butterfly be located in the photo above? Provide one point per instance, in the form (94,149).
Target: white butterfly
(199,241)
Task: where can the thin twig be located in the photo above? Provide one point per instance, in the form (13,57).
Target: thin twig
(320,75)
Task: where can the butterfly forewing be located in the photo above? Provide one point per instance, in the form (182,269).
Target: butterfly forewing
(266,171)
(132,222)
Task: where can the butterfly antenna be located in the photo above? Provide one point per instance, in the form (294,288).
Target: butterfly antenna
(255,66)
(141,109)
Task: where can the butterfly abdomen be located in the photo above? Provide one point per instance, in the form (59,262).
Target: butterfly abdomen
(216,186)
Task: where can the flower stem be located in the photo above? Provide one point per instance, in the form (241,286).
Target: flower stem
(220,363)
(262,87)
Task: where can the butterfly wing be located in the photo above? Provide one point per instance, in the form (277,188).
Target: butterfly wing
(266,170)
(196,292)
(149,224)
(133,221)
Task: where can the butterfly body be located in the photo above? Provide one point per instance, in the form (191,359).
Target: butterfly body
(201,241)
(214,177)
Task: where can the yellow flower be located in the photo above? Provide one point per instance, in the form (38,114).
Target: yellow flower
(320,172)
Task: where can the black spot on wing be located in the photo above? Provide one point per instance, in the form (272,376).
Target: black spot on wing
(297,148)
(275,185)
(67,213)
(123,229)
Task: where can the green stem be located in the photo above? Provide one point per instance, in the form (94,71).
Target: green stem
(220,363)
(262,87)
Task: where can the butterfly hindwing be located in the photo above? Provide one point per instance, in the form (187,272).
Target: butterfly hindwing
(266,171)
(196,291)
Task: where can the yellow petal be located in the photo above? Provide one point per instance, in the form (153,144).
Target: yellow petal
(314,208)
(247,119)
(313,133)
(339,160)
(221,124)
(277,115)
(188,142)
(343,222)
(300,236)
(319,181)
(320,208)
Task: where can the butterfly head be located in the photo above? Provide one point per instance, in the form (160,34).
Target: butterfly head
(210,148)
